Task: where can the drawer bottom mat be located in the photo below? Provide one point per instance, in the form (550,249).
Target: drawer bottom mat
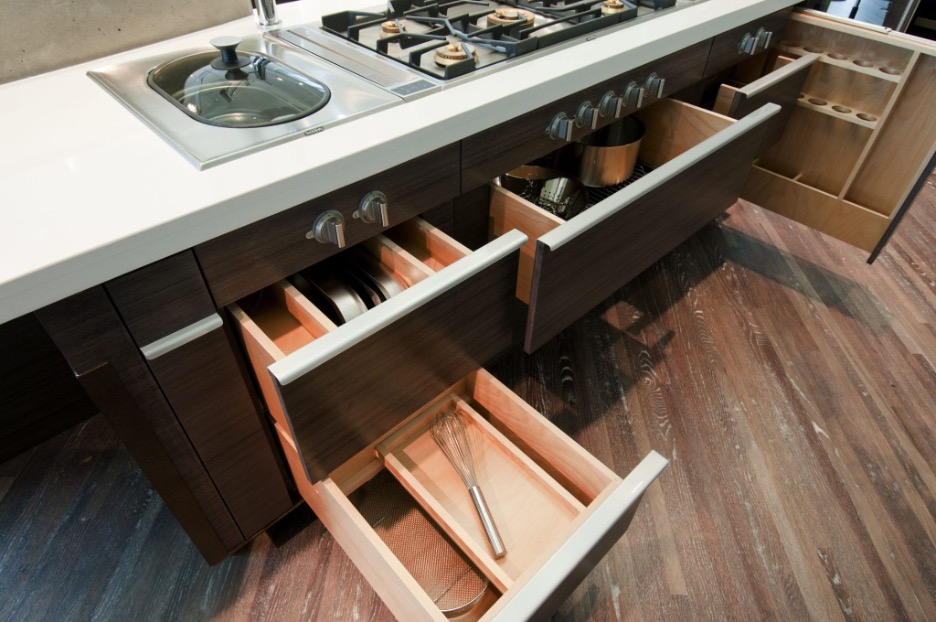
(450,579)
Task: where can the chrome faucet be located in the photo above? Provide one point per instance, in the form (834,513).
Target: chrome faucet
(266,13)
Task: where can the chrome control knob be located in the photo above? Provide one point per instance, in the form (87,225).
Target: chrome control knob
(328,228)
(763,39)
(751,44)
(654,85)
(633,95)
(611,105)
(587,116)
(560,128)
(374,208)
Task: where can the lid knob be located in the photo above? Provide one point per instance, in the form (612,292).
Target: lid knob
(229,57)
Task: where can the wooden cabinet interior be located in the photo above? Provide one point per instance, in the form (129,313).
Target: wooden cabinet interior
(861,136)
(543,488)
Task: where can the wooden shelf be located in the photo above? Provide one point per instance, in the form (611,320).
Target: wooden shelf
(882,72)
(839,111)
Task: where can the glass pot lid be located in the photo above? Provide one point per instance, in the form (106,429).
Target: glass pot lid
(237,90)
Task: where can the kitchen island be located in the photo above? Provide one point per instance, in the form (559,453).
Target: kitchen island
(147,323)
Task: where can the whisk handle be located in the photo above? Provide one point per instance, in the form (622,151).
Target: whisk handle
(497,545)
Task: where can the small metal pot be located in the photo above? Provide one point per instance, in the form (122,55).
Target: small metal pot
(527,180)
(608,156)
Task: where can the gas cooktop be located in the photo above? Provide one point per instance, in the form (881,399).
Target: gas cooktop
(415,46)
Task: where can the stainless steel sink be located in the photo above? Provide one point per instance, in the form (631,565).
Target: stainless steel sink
(207,145)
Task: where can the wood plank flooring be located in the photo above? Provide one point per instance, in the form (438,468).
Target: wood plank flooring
(792,386)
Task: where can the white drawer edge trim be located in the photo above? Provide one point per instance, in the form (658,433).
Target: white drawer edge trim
(765,82)
(181,337)
(307,358)
(531,595)
(598,213)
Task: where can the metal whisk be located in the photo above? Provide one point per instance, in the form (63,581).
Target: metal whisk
(448,431)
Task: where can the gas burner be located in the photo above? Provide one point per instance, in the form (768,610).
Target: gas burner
(612,6)
(454,53)
(510,17)
(392,27)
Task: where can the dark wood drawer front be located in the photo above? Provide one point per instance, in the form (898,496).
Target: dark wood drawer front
(206,388)
(251,482)
(338,408)
(161,298)
(728,47)
(523,139)
(252,257)
(637,233)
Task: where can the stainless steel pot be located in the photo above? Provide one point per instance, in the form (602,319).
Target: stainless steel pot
(607,157)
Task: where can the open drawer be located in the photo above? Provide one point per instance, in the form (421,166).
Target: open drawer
(337,388)
(557,508)
(699,161)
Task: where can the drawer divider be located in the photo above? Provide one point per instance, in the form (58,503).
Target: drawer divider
(398,259)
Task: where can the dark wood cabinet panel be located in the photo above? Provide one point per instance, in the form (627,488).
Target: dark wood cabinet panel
(204,385)
(251,482)
(161,298)
(601,259)
(506,146)
(252,257)
(95,342)
(362,392)
(725,47)
(39,396)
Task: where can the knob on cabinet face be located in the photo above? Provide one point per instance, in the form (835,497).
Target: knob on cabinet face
(587,116)
(328,228)
(611,105)
(374,208)
(560,128)
(633,95)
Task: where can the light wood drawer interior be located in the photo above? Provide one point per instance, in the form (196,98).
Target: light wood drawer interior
(672,128)
(279,320)
(541,487)
(852,149)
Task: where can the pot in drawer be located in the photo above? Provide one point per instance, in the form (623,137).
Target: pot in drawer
(557,507)
(608,156)
(337,388)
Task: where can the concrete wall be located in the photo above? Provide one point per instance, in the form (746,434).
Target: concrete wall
(40,35)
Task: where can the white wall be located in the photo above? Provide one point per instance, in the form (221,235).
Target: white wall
(40,35)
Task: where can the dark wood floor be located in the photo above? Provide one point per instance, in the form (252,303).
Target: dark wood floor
(791,385)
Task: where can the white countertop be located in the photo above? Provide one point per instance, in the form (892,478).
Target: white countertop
(88,192)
